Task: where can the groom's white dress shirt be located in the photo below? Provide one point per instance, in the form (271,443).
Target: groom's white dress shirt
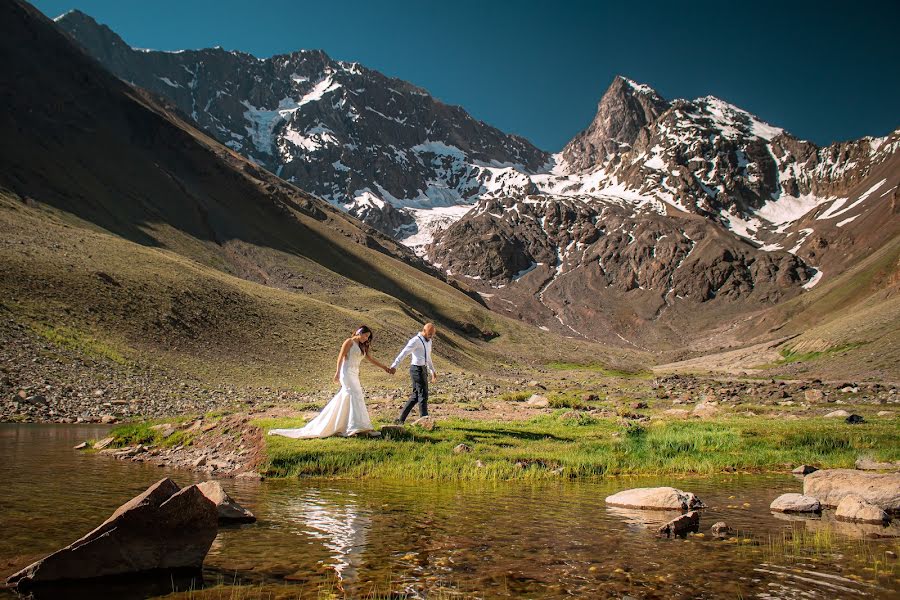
(419,349)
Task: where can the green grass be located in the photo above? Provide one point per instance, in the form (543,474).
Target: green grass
(84,343)
(142,432)
(580,447)
(599,368)
(789,355)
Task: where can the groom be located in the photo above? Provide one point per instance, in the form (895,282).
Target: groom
(419,348)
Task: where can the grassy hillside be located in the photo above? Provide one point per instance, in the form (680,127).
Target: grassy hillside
(131,235)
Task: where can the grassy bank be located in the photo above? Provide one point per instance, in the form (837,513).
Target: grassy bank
(569,445)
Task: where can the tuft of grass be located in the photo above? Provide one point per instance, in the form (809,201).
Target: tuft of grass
(515,396)
(73,339)
(576,446)
(599,368)
(789,355)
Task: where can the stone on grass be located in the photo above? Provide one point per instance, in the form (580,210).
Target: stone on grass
(855,419)
(658,498)
(681,525)
(103,443)
(426,423)
(795,503)
(81,446)
(837,414)
(721,529)
(538,401)
(461,449)
(813,396)
(164,429)
(831,485)
(853,508)
(229,510)
(163,528)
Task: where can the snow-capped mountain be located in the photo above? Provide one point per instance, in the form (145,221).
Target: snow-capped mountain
(659,206)
(363,141)
(655,207)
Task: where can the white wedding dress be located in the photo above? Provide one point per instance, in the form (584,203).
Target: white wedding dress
(346,413)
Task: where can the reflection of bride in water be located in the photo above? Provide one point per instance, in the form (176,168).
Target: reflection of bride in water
(339,522)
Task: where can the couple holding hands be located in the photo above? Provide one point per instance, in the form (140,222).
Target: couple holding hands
(346,413)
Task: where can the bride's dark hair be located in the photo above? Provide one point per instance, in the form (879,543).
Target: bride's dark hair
(364,346)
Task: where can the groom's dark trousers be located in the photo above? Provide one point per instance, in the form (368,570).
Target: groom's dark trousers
(419,376)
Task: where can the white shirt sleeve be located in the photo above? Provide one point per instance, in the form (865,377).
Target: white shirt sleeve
(431,364)
(404,353)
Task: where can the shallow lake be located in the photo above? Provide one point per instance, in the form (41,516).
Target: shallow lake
(445,539)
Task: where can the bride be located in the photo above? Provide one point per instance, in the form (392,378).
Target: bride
(346,413)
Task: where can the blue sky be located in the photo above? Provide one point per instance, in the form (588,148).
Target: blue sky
(825,71)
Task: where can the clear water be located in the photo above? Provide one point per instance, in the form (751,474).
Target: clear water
(481,540)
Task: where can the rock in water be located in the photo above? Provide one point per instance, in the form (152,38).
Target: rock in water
(659,498)
(682,525)
(229,510)
(854,508)
(795,503)
(163,528)
(831,485)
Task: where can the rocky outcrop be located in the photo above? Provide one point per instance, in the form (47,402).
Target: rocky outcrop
(855,509)
(795,503)
(830,486)
(229,511)
(163,528)
(624,111)
(658,498)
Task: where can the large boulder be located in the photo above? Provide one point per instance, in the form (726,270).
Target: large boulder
(795,503)
(658,498)
(853,508)
(229,510)
(831,485)
(163,528)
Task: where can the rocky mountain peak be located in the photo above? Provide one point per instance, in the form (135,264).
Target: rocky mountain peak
(625,108)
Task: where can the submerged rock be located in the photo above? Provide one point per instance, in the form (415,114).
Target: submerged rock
(853,508)
(163,528)
(682,525)
(830,486)
(796,503)
(721,529)
(229,510)
(658,498)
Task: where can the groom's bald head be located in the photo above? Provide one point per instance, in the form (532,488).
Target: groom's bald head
(428,330)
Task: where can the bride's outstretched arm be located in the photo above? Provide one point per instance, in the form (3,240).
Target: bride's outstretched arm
(345,347)
(375,362)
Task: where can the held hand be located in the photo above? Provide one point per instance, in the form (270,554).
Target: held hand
(433,377)
(337,378)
